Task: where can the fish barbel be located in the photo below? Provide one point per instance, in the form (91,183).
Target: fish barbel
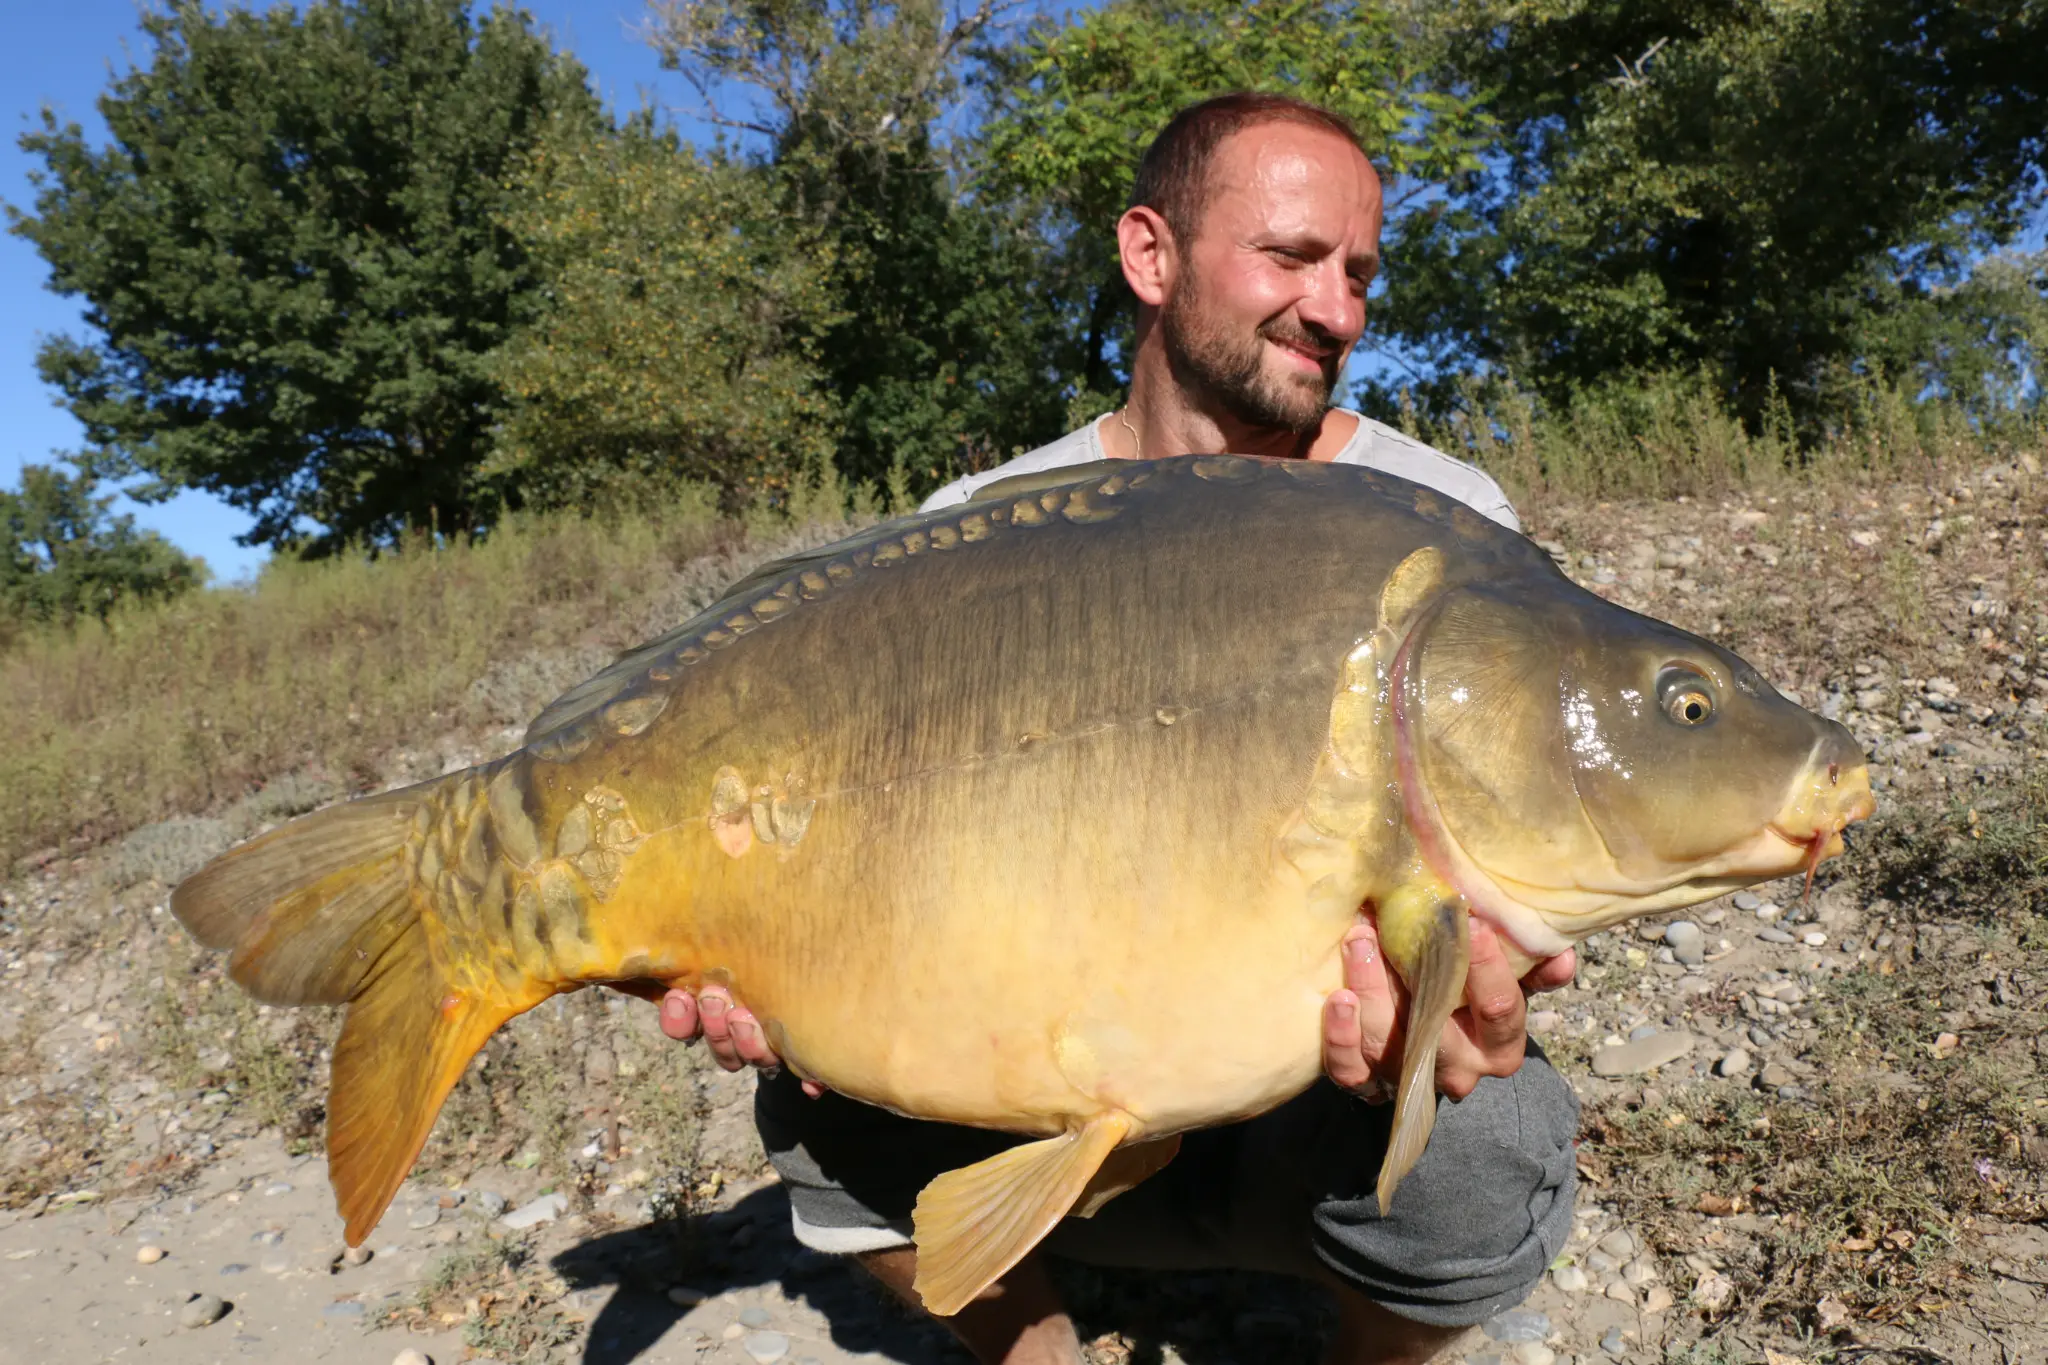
(981,812)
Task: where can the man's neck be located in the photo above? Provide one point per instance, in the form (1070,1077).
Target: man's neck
(1163,418)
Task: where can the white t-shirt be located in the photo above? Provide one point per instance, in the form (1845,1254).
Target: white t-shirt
(1374,445)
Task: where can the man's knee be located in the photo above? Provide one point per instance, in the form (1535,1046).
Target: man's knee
(1479,1219)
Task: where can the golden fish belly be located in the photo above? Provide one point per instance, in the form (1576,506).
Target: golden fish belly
(1025,940)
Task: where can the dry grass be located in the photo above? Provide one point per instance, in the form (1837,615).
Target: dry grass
(327,667)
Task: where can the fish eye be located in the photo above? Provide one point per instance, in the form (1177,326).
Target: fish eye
(1686,697)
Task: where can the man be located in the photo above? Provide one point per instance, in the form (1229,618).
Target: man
(1250,244)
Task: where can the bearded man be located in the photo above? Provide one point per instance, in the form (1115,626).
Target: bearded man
(1250,243)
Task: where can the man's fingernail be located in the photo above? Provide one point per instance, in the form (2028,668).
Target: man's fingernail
(711,1004)
(744,1028)
(1362,950)
(1345,1010)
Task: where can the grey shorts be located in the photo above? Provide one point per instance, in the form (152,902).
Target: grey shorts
(1473,1229)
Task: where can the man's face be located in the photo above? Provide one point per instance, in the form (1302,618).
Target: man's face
(1269,296)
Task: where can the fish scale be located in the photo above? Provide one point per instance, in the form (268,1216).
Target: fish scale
(981,810)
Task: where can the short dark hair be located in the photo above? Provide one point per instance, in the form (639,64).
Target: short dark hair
(1174,172)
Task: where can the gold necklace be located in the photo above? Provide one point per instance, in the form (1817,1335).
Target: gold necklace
(1137,442)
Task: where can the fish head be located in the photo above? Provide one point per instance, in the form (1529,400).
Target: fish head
(1569,764)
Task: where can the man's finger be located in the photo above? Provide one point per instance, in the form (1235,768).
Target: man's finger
(1358,1020)
(1343,1058)
(1552,973)
(714,1006)
(748,1039)
(679,1016)
(1487,1035)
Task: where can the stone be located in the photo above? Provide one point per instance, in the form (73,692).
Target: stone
(1775,936)
(202,1310)
(755,1317)
(1642,1054)
(1614,1343)
(1713,1291)
(411,1357)
(1813,938)
(424,1217)
(683,1296)
(1687,942)
(1639,1272)
(1620,1244)
(1569,1278)
(276,1261)
(1657,1299)
(1619,1292)
(1774,1075)
(1518,1325)
(534,1212)
(149,1255)
(1533,1353)
(765,1346)
(1734,1063)
(1545,1021)
(490,1202)
(1747,900)
(347,1310)
(276,1188)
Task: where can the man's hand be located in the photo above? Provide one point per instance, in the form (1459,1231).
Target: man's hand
(1362,1040)
(729,1029)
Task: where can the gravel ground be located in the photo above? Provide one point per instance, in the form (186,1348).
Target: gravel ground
(1813,1126)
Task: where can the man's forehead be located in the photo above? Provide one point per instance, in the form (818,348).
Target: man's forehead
(1290,162)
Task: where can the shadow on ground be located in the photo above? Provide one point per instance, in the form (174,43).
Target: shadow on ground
(1219,1318)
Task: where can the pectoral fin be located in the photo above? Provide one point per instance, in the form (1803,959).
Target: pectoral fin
(973,1224)
(1125,1168)
(1423,933)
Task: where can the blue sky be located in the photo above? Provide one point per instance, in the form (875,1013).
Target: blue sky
(61,54)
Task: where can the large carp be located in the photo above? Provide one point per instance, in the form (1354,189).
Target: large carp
(983,811)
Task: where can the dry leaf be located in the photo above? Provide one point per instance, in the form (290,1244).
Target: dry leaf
(1719,1205)
(1854,1244)
(1831,1313)
(1780,1358)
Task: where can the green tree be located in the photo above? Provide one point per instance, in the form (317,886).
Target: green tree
(1074,105)
(291,258)
(1771,192)
(679,329)
(62,556)
(948,353)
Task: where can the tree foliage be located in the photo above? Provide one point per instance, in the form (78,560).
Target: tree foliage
(291,260)
(63,556)
(948,353)
(677,335)
(1772,190)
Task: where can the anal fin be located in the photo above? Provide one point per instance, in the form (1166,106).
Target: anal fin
(973,1224)
(1423,933)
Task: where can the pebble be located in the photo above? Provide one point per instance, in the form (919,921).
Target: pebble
(277,1187)
(545,1209)
(1569,1278)
(1533,1353)
(234,1268)
(1613,1343)
(1813,938)
(1775,936)
(1657,1299)
(1620,1244)
(202,1310)
(1620,1292)
(1545,1021)
(424,1217)
(348,1310)
(276,1261)
(754,1317)
(491,1202)
(1774,1076)
(1760,1035)
(411,1357)
(1518,1325)
(1735,1063)
(1639,1272)
(149,1255)
(765,1346)
(1687,942)
(1642,1054)
(1747,900)
(683,1296)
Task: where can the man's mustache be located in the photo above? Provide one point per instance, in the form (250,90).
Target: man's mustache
(1304,338)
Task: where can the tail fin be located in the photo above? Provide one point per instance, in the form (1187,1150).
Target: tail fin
(324,911)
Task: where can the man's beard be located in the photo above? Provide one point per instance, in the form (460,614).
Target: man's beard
(1209,361)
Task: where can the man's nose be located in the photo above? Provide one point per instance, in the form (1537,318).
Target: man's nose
(1332,305)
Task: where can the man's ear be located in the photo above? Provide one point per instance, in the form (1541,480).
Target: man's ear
(1151,259)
